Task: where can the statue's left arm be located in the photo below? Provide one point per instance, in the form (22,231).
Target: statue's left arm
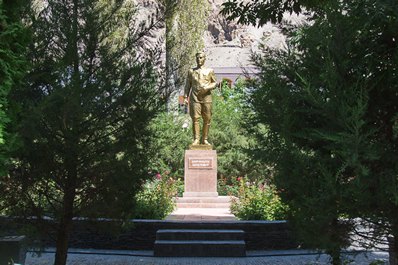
(213,81)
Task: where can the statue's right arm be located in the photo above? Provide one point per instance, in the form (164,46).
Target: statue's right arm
(188,85)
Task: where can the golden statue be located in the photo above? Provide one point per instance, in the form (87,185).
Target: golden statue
(200,82)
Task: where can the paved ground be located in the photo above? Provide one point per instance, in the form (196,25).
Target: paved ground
(293,257)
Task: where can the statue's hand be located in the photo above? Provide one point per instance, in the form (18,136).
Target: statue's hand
(205,90)
(186,100)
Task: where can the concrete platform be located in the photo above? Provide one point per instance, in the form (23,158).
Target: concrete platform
(204,202)
(202,214)
(202,209)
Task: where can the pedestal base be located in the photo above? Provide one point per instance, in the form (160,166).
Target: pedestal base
(200,147)
(204,202)
(200,176)
(200,194)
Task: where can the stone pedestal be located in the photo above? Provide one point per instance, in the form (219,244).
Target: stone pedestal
(200,176)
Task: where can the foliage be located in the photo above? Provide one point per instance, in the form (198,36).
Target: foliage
(377,262)
(330,103)
(191,23)
(168,143)
(228,186)
(156,199)
(231,137)
(257,201)
(185,25)
(13,41)
(84,115)
(263,11)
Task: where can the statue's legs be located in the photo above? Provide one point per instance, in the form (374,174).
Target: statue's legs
(194,111)
(206,115)
(205,132)
(196,130)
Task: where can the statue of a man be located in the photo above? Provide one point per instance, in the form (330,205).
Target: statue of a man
(200,82)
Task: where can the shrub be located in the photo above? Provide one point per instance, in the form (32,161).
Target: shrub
(156,199)
(258,202)
(228,186)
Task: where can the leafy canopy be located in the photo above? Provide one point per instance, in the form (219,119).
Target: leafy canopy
(263,11)
(13,65)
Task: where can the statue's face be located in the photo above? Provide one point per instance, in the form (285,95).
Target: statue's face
(200,59)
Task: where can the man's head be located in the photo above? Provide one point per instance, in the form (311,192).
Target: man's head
(200,58)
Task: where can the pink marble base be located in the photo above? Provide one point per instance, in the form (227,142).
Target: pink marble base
(200,175)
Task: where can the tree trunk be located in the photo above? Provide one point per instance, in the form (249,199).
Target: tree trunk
(65,224)
(64,228)
(71,144)
(170,61)
(62,242)
(335,255)
(171,23)
(393,250)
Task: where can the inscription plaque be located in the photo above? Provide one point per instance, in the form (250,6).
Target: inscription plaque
(200,163)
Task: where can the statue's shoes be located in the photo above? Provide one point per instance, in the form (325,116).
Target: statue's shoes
(195,142)
(205,142)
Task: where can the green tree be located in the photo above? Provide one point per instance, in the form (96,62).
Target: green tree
(170,140)
(84,117)
(232,136)
(185,22)
(330,102)
(13,42)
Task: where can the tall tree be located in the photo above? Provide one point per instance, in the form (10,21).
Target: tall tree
(13,45)
(85,112)
(331,105)
(185,21)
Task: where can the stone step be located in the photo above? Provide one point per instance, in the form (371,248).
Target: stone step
(204,202)
(219,199)
(203,205)
(199,234)
(200,243)
(200,248)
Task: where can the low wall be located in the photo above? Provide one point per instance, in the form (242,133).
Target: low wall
(140,234)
